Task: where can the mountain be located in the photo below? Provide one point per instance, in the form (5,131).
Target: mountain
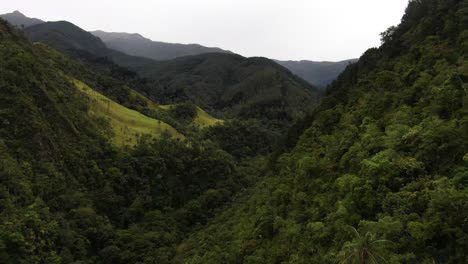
(18,19)
(86,179)
(80,44)
(63,35)
(232,86)
(226,85)
(137,45)
(319,74)
(378,173)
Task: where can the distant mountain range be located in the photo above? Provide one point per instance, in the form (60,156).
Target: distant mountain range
(319,74)
(137,45)
(228,85)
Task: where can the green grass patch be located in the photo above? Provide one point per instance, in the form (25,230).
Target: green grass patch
(203,119)
(128,125)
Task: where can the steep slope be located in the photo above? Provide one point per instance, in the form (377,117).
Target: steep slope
(319,74)
(127,125)
(67,195)
(18,19)
(137,45)
(380,174)
(64,35)
(233,86)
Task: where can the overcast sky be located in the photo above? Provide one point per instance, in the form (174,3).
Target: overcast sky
(281,29)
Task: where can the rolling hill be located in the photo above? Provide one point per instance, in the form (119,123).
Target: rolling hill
(137,45)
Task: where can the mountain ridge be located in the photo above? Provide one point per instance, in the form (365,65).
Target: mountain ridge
(137,45)
(18,19)
(319,74)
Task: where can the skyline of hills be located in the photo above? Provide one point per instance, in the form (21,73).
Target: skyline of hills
(319,73)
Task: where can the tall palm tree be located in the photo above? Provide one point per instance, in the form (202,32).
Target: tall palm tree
(363,249)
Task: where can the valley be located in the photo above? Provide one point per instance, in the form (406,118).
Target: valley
(118,149)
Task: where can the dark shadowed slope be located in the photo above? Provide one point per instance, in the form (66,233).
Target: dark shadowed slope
(233,86)
(18,19)
(64,35)
(137,45)
(319,74)
(79,44)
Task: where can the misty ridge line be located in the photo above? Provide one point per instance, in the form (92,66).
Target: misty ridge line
(317,73)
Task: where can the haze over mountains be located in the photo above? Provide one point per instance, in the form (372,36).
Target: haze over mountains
(18,19)
(137,45)
(319,74)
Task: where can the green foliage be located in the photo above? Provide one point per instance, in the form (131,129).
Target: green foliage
(242,139)
(363,249)
(230,86)
(226,85)
(385,151)
(127,125)
(67,195)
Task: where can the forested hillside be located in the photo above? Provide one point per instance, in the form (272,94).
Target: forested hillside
(109,158)
(380,172)
(232,86)
(68,194)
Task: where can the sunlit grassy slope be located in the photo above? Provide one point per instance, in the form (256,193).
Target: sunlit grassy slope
(128,125)
(203,119)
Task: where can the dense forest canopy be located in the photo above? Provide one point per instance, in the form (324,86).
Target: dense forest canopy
(377,172)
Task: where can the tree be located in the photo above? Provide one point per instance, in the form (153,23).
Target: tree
(363,249)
